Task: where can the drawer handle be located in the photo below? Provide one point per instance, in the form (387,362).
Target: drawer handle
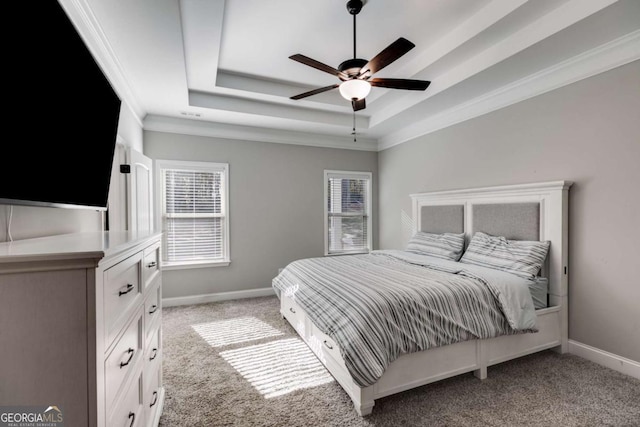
(131,352)
(155,353)
(154,308)
(129,289)
(151,264)
(328,346)
(133,418)
(292,310)
(155,400)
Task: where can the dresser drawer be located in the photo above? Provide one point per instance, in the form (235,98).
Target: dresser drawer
(294,314)
(153,307)
(122,291)
(323,345)
(151,264)
(130,410)
(152,358)
(152,396)
(124,358)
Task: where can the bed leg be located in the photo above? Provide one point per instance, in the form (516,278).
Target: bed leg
(363,401)
(364,409)
(562,348)
(481,351)
(481,373)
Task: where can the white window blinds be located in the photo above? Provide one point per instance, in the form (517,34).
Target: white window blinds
(195,222)
(347,215)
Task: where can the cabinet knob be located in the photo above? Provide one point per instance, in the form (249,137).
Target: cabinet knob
(133,418)
(152,264)
(154,308)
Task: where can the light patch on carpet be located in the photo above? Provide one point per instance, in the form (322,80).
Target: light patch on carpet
(278,367)
(233,331)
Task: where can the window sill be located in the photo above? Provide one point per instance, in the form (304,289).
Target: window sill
(194,264)
(366,251)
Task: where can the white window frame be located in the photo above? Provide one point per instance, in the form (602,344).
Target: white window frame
(369,213)
(160,200)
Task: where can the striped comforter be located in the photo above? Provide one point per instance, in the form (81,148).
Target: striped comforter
(381,305)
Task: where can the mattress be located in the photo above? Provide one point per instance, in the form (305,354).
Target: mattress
(380,305)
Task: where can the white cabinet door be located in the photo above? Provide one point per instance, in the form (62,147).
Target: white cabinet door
(140,191)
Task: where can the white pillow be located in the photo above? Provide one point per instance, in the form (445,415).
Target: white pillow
(447,245)
(520,257)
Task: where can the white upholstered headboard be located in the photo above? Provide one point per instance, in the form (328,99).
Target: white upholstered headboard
(537,211)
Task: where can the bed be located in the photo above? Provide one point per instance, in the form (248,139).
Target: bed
(404,325)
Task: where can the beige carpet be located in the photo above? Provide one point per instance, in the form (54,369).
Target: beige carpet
(237,363)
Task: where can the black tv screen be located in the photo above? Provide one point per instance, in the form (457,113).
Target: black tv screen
(62,113)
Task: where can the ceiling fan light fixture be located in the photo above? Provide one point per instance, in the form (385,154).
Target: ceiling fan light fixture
(355,89)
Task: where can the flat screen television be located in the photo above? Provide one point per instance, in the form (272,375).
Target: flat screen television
(61,115)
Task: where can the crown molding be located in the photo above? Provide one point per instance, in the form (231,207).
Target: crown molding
(564,16)
(249,133)
(603,58)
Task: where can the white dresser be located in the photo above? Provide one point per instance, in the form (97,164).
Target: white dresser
(80,327)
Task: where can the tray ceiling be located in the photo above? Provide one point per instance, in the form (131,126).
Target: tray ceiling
(221,68)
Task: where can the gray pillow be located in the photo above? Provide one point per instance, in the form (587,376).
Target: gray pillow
(446,245)
(520,257)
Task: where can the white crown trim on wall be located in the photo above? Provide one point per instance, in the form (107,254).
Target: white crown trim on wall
(250,133)
(610,55)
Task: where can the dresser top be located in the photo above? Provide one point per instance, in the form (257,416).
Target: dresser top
(95,245)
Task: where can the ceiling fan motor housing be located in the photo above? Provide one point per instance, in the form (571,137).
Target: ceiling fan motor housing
(351,67)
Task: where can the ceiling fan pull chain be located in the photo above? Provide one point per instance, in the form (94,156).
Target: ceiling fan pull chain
(354,126)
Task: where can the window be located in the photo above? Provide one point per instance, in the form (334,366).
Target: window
(194,213)
(347,212)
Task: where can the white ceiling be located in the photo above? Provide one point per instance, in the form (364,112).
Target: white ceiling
(221,67)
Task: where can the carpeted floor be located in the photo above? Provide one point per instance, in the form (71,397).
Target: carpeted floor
(212,378)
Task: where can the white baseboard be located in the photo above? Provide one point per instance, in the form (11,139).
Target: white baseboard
(220,296)
(604,358)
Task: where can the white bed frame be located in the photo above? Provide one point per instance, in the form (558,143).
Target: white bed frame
(416,369)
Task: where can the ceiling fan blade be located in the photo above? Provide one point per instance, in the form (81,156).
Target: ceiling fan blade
(392,52)
(315,91)
(400,84)
(358,105)
(318,65)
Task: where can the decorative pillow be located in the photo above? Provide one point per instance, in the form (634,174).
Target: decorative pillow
(447,245)
(520,257)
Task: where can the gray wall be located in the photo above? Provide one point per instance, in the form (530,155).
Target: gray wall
(587,132)
(276,205)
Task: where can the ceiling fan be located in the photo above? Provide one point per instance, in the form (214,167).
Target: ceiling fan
(356,73)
